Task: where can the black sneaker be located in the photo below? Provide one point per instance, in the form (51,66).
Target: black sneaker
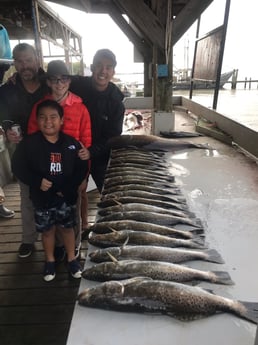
(6,213)
(25,250)
(85,234)
(49,271)
(75,269)
(77,251)
(59,253)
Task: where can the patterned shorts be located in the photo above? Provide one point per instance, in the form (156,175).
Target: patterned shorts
(62,215)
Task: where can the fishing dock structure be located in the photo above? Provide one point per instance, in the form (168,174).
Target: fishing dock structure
(221,187)
(32,311)
(246,82)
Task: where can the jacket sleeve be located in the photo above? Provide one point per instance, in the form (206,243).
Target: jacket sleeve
(114,127)
(6,101)
(32,123)
(70,189)
(85,127)
(21,167)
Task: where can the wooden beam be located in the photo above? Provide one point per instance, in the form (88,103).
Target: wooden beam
(187,16)
(144,19)
(142,45)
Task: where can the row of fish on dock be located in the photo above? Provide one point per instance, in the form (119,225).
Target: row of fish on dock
(145,233)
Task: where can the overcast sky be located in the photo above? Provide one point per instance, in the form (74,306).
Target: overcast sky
(241,51)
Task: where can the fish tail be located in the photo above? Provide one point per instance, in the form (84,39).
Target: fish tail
(198,242)
(199,223)
(222,277)
(250,311)
(196,222)
(191,214)
(197,231)
(214,256)
(171,178)
(181,206)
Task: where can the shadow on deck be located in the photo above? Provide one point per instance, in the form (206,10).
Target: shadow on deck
(33,312)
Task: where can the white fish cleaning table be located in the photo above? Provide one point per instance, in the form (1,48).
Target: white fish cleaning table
(221,188)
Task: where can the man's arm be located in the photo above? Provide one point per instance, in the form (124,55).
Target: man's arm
(20,166)
(114,127)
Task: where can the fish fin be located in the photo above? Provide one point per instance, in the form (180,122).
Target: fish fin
(189,316)
(135,280)
(222,278)
(112,257)
(112,229)
(251,311)
(214,256)
(196,283)
(126,241)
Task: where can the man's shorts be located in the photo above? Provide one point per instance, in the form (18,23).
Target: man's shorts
(62,215)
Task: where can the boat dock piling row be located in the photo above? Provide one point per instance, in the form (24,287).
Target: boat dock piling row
(247,82)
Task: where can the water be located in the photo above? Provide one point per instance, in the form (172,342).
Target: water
(240,105)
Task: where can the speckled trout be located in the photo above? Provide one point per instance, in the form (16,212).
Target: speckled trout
(145,194)
(152,142)
(127,179)
(120,181)
(155,253)
(125,152)
(145,201)
(136,206)
(118,238)
(178,300)
(151,217)
(129,171)
(140,187)
(119,225)
(159,270)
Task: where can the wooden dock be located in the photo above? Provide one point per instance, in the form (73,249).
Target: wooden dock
(33,312)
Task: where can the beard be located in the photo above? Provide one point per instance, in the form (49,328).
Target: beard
(28,74)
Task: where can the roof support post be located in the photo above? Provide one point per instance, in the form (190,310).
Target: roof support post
(36,28)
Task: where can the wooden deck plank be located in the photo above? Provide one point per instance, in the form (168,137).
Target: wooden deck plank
(33,312)
(32,334)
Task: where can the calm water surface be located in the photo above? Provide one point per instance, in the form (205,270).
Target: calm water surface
(240,105)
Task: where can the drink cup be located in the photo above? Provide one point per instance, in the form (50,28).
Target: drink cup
(17,129)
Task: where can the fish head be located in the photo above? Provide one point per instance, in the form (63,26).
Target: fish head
(97,256)
(100,255)
(100,272)
(101,295)
(102,237)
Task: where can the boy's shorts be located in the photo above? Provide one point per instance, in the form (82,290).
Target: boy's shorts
(63,215)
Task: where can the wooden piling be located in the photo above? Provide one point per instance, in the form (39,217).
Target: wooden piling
(234,79)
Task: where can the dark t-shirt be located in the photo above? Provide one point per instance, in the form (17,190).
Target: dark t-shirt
(16,102)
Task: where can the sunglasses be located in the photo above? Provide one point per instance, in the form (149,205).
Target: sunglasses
(64,79)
